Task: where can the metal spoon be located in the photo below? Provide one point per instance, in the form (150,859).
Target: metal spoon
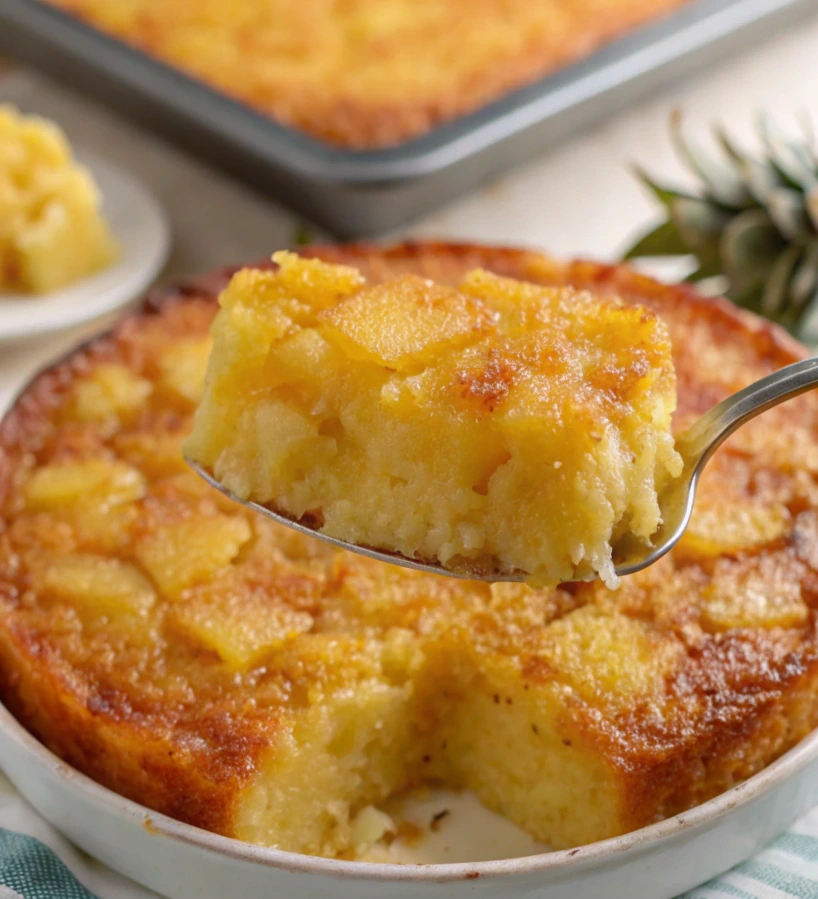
(696,446)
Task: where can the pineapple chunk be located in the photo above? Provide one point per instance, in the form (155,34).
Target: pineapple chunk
(29,142)
(157,452)
(609,654)
(369,826)
(255,326)
(733,527)
(312,282)
(98,584)
(179,556)
(279,434)
(239,622)
(248,330)
(111,392)
(405,323)
(300,356)
(740,596)
(106,528)
(521,304)
(87,483)
(182,368)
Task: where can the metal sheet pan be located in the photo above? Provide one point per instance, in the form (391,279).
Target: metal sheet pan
(357,193)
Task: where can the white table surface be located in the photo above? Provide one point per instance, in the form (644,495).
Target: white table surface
(579,199)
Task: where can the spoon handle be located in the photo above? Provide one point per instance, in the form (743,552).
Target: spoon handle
(699,443)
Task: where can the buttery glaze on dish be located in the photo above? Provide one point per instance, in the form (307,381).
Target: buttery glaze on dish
(367,73)
(221,670)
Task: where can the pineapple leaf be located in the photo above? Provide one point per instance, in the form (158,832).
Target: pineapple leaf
(757,176)
(748,297)
(786,209)
(663,193)
(722,183)
(749,246)
(790,159)
(751,223)
(808,132)
(706,271)
(699,222)
(811,206)
(708,268)
(807,314)
(776,287)
(728,146)
(664,240)
(805,278)
(760,178)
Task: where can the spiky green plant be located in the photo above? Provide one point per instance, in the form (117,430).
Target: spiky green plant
(753,220)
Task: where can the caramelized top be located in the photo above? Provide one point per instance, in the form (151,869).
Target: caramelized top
(501,345)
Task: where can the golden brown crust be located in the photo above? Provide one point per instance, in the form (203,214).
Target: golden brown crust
(733,696)
(370,73)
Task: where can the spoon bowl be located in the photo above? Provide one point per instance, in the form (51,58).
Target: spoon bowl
(696,446)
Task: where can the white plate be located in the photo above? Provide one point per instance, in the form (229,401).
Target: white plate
(139,224)
(183,862)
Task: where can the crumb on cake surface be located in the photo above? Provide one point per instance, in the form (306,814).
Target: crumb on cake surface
(497,425)
(253,682)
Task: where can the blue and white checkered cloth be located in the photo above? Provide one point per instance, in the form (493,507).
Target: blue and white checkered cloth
(37,863)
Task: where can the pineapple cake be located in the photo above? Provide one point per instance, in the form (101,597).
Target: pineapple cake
(51,227)
(495,426)
(370,73)
(224,670)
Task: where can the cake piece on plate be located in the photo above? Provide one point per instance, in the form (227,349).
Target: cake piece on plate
(52,231)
